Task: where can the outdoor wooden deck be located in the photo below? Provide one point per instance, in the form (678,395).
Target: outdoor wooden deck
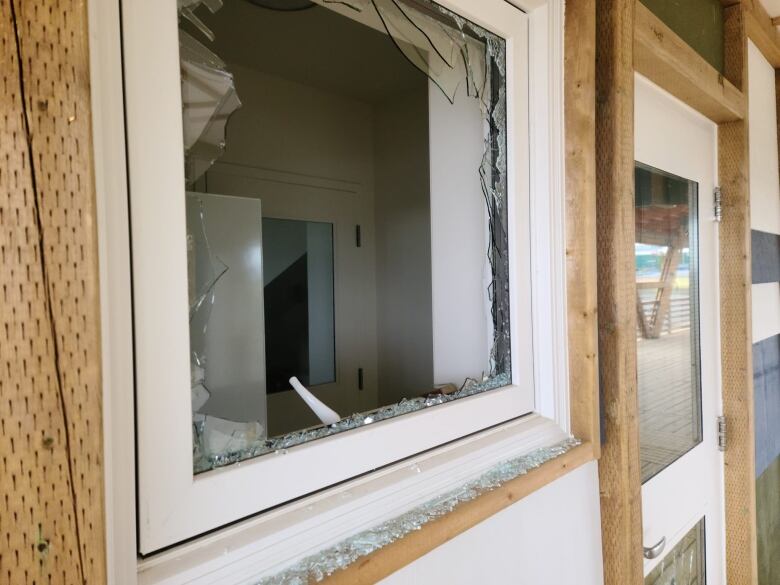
(668,415)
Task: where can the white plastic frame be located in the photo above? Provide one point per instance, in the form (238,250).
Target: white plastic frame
(169,495)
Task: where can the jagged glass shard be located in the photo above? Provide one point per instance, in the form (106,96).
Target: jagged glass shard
(208,96)
(317,567)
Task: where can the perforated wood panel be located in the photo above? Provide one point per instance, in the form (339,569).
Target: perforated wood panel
(51,514)
(735,317)
(621,511)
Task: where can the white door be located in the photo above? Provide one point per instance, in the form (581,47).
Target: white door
(678,357)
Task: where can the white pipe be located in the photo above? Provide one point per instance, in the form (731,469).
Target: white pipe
(325,414)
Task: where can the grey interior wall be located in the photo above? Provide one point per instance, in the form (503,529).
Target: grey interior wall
(403,246)
(765,257)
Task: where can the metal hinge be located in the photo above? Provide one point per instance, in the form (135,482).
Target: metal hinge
(360,378)
(717,204)
(358,236)
(721,433)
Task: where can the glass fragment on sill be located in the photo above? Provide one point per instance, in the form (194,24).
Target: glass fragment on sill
(206,459)
(321,565)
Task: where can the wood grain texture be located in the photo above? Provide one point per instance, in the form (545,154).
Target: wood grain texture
(669,62)
(735,320)
(619,477)
(762,31)
(581,278)
(402,552)
(50,396)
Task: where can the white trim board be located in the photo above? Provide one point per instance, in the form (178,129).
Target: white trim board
(764,173)
(766,310)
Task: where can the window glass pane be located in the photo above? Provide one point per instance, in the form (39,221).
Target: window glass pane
(684,564)
(667,315)
(298,291)
(347,217)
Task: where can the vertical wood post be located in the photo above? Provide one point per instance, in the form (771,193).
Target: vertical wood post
(580,138)
(51,470)
(619,477)
(736,320)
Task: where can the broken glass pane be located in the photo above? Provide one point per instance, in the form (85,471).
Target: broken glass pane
(361,193)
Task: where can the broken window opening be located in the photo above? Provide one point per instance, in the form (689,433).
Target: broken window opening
(459,59)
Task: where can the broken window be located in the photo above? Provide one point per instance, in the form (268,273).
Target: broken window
(347,216)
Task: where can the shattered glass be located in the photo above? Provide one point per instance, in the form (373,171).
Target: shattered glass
(205,461)
(321,565)
(459,58)
(208,95)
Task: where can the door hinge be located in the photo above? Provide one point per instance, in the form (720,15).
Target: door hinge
(358,237)
(721,433)
(717,204)
(360,378)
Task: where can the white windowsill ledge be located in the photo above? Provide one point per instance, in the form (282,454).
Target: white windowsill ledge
(267,544)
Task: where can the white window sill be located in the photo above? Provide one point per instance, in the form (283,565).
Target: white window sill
(269,543)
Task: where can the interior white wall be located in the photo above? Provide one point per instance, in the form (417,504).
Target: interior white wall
(403,246)
(552,537)
(459,238)
(762,106)
(314,137)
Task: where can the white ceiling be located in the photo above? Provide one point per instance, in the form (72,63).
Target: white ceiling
(315,47)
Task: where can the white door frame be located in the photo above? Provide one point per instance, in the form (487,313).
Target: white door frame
(672,137)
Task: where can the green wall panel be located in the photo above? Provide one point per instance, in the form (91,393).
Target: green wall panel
(698,22)
(768,524)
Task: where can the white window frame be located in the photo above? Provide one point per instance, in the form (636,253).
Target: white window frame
(168,494)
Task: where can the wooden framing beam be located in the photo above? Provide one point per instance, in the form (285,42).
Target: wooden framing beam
(762,31)
(735,318)
(669,62)
(619,474)
(581,268)
(51,471)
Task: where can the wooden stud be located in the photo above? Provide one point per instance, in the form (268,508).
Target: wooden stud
(619,473)
(669,62)
(581,277)
(761,30)
(51,481)
(735,319)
